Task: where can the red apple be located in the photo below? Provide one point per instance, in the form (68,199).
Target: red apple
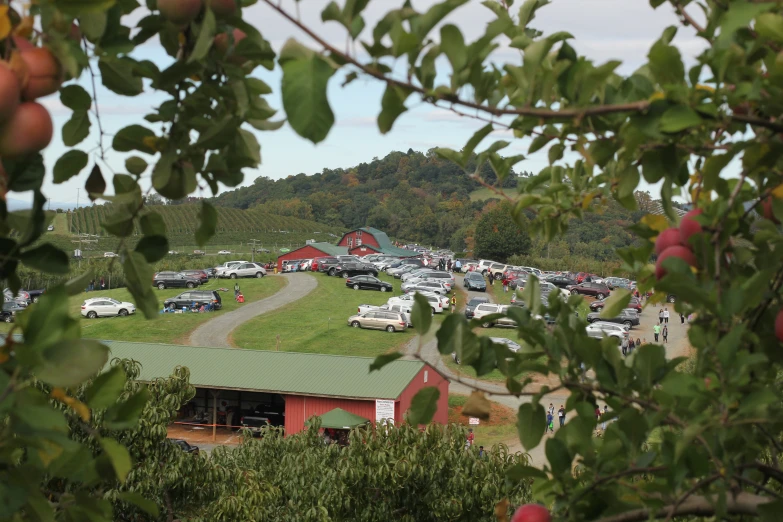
(667,238)
(779,326)
(531,513)
(689,226)
(680,251)
(767,212)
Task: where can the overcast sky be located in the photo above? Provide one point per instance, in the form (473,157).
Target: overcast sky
(603,30)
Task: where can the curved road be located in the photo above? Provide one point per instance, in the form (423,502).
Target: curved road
(215,332)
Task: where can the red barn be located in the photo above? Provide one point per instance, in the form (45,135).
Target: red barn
(293,386)
(373,241)
(311,251)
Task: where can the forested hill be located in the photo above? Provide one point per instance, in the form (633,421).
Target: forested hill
(413,196)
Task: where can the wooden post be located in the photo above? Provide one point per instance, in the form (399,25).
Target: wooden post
(215,396)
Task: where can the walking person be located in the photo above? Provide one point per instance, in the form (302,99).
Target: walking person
(505,284)
(682,318)
(92,285)
(603,417)
(656,331)
(236,290)
(624,345)
(458,266)
(453,303)
(549,420)
(551,409)
(665,334)
(469,440)
(666,315)
(103,284)
(639,342)
(631,346)
(660,316)
(561,415)
(448,265)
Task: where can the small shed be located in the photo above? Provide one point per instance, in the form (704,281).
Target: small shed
(288,387)
(311,251)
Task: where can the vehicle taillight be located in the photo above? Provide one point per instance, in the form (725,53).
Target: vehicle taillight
(83,307)
(402,323)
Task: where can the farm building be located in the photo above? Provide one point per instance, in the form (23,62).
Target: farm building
(288,387)
(359,242)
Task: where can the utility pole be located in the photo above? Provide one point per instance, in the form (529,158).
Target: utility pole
(78,231)
(253,250)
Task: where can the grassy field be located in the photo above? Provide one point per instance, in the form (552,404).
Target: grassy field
(500,428)
(484,194)
(166,328)
(318,323)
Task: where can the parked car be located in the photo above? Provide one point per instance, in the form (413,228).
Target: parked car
(197,297)
(617,282)
(600,329)
(106,307)
(366,282)
(599,304)
(406,308)
(255,423)
(413,274)
(562,281)
(435,301)
(22,298)
(224,252)
(591,289)
(486,309)
(354,268)
(473,303)
(436,275)
(7,316)
(429,286)
(10,309)
(483,266)
(110,254)
(498,269)
(174,280)
(671,298)
(380,320)
(201,275)
(511,345)
(244,270)
(474,281)
(35,295)
(198,252)
(626,317)
(185,446)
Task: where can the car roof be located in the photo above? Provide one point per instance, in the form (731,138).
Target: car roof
(101,299)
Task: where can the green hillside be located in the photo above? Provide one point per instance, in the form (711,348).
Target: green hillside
(235,229)
(484,194)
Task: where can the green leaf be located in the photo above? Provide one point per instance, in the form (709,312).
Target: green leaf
(95,184)
(76,129)
(69,363)
(46,258)
(106,388)
(126,415)
(206,35)
(77,285)
(679,118)
(138,274)
(136,165)
(558,456)
(119,457)
(666,63)
(615,303)
(519,472)
(117,76)
(93,25)
(531,423)
(26,173)
(152,224)
(531,294)
(383,360)
(392,105)
(421,315)
(649,363)
(153,248)
(80,7)
(69,165)
(75,98)
(423,406)
(148,506)
(134,137)
(455,336)
(739,15)
(453,45)
(770,26)
(556,152)
(304,85)
(207,223)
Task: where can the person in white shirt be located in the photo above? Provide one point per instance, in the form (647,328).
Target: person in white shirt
(665,315)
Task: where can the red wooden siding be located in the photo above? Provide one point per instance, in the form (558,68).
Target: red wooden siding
(366,239)
(306,252)
(433,379)
(362,251)
(300,408)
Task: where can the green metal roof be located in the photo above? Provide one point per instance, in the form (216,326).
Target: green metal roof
(276,372)
(339,419)
(386,244)
(326,248)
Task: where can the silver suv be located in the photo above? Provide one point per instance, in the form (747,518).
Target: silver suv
(601,329)
(380,320)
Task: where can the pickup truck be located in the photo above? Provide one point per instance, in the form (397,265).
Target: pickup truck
(401,308)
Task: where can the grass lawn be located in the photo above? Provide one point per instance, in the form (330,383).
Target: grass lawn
(319,323)
(501,426)
(166,328)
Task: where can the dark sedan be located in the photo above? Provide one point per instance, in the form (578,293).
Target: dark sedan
(185,446)
(349,269)
(626,318)
(591,289)
(633,303)
(472,304)
(474,281)
(562,281)
(174,280)
(366,282)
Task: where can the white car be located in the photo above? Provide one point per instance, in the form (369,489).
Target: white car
(485,309)
(173,252)
(244,270)
(110,254)
(106,307)
(427,286)
(601,329)
(50,228)
(224,253)
(435,301)
(219,270)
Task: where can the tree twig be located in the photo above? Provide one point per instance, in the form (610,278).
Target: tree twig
(739,504)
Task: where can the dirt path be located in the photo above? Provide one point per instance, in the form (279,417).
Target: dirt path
(216,332)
